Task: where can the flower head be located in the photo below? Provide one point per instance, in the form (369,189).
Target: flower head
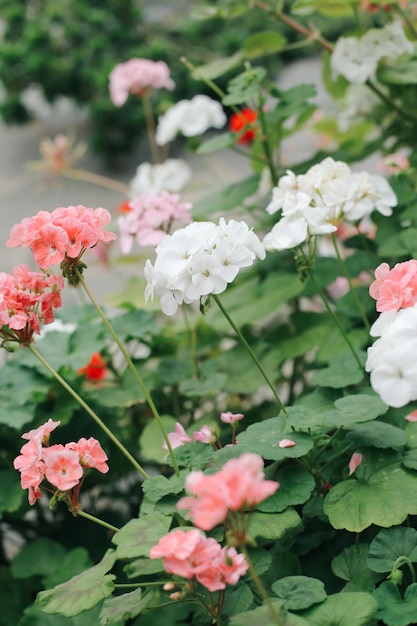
(243,124)
(355,461)
(178,437)
(198,260)
(137,77)
(239,484)
(150,218)
(231,418)
(190,118)
(395,288)
(172,175)
(96,368)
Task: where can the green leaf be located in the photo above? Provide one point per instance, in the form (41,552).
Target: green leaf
(82,592)
(410,459)
(238,599)
(263,43)
(296,486)
(342,371)
(11,494)
(263,438)
(73,563)
(351,565)
(218,67)
(151,439)
(382,493)
(343,609)
(34,616)
(143,567)
(227,198)
(138,536)
(389,545)
(329,8)
(123,607)
(403,73)
(394,610)
(262,615)
(377,434)
(159,486)
(274,525)
(38,558)
(193,455)
(196,387)
(218,142)
(299,592)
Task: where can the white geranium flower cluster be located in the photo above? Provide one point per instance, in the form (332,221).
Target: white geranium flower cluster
(172,176)
(357,58)
(190,118)
(199,260)
(392,359)
(316,202)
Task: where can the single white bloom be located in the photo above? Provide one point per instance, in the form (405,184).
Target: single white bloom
(190,118)
(172,176)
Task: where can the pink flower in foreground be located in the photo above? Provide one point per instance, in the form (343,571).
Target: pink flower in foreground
(150,219)
(42,433)
(137,77)
(231,418)
(27,300)
(62,235)
(189,554)
(204,435)
(355,461)
(239,484)
(396,288)
(177,438)
(62,468)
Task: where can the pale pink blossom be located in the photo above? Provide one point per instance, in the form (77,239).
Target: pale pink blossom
(286,443)
(204,435)
(150,218)
(231,418)
(189,554)
(62,468)
(239,484)
(393,164)
(355,461)
(137,77)
(396,288)
(178,437)
(42,433)
(91,454)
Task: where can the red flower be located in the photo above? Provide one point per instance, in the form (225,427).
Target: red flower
(240,121)
(95,369)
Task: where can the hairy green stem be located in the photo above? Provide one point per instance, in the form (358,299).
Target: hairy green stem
(251,352)
(351,287)
(96,520)
(403,560)
(329,309)
(150,128)
(88,409)
(265,142)
(132,368)
(96,179)
(276,617)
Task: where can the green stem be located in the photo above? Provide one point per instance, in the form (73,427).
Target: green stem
(391,104)
(150,128)
(96,179)
(329,309)
(403,560)
(351,287)
(264,140)
(132,368)
(251,353)
(406,19)
(89,410)
(276,617)
(96,520)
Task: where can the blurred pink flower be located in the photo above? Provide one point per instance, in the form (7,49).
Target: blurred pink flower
(239,484)
(177,438)
(204,435)
(286,443)
(42,433)
(355,461)
(231,418)
(411,417)
(394,163)
(137,77)
(395,288)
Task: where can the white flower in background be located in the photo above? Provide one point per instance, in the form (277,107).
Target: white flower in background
(172,175)
(190,118)
(198,260)
(357,101)
(391,359)
(357,58)
(316,202)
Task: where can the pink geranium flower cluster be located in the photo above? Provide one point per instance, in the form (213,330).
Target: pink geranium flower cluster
(63,467)
(150,218)
(192,555)
(138,76)
(27,300)
(395,288)
(62,235)
(238,485)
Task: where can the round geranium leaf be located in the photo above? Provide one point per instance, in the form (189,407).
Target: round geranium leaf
(299,592)
(351,565)
(343,609)
(389,545)
(296,484)
(382,493)
(393,609)
(264,438)
(377,434)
